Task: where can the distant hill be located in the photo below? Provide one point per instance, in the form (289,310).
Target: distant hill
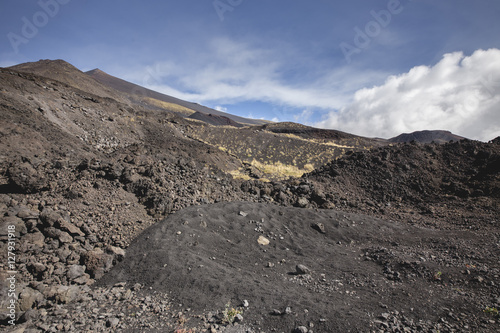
(215,120)
(427,137)
(307,132)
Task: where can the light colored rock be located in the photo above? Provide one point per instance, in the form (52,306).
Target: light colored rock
(49,218)
(67,294)
(75,271)
(39,268)
(20,228)
(118,252)
(319,227)
(301,329)
(302,202)
(263,240)
(29,297)
(36,239)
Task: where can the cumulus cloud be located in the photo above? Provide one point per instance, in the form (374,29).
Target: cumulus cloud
(460,94)
(220,108)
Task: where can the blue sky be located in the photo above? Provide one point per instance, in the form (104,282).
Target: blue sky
(373,68)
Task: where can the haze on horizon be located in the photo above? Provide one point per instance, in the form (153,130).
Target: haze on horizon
(375,69)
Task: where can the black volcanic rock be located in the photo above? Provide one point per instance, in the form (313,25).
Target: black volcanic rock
(208,256)
(215,120)
(307,132)
(496,140)
(83,174)
(427,137)
(415,177)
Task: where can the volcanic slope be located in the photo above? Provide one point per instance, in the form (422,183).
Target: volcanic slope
(82,175)
(281,150)
(360,272)
(154,98)
(64,72)
(456,183)
(102,84)
(268,152)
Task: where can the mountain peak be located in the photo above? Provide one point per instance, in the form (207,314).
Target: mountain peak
(45,65)
(96,71)
(65,72)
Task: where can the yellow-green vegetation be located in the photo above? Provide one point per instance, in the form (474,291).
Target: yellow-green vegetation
(237,174)
(275,155)
(230,313)
(280,170)
(291,136)
(197,121)
(169,106)
(334,144)
(491,311)
(337,144)
(308,167)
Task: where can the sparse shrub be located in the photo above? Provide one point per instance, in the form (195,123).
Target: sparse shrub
(230,313)
(491,311)
(169,106)
(238,174)
(279,169)
(309,167)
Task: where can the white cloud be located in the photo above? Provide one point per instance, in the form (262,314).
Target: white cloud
(460,94)
(220,108)
(228,72)
(304,116)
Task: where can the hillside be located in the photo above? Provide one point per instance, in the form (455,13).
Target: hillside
(129,217)
(273,155)
(150,97)
(215,120)
(64,72)
(427,137)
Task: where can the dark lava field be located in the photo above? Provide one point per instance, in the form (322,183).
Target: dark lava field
(124,210)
